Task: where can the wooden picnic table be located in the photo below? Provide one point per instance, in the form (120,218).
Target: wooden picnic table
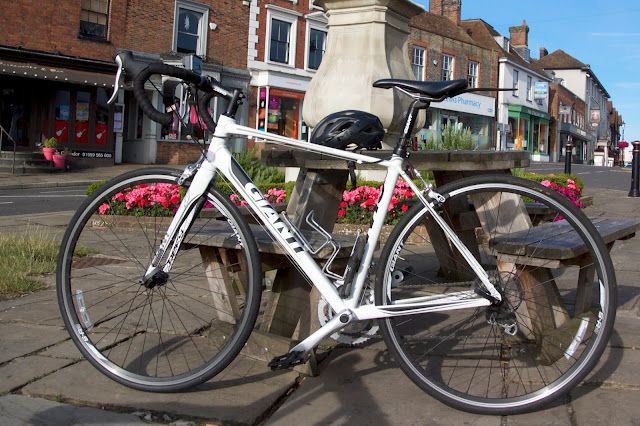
(319,187)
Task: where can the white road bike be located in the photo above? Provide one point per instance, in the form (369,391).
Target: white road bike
(135,289)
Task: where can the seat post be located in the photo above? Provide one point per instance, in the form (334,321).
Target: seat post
(412,114)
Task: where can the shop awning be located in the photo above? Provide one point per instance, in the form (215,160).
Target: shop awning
(55,74)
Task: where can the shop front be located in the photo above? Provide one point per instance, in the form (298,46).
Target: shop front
(467,111)
(529,131)
(280,112)
(39,102)
(569,133)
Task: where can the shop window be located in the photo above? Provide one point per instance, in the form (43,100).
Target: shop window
(102,118)
(447,67)
(540,138)
(82,118)
(317,46)
(518,137)
(280,113)
(62,110)
(94,16)
(190,28)
(417,62)
(472,75)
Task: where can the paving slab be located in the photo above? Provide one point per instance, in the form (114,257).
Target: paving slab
(37,308)
(241,394)
(617,368)
(24,339)
(596,406)
(18,410)
(21,371)
(364,387)
(626,331)
(558,413)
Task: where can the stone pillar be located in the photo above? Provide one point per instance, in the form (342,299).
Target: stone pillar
(367,41)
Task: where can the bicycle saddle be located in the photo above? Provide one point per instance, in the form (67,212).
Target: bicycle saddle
(431,89)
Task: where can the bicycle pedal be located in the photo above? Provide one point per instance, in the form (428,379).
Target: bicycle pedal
(288,360)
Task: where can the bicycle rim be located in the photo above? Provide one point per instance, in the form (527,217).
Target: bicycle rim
(558,310)
(181,331)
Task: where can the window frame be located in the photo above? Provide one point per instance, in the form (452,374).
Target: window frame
(106,26)
(421,66)
(290,17)
(516,83)
(313,26)
(203,9)
(476,76)
(450,71)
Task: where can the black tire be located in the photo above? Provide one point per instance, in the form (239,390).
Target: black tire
(176,334)
(465,358)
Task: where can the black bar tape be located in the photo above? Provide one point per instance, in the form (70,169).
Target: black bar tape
(203,110)
(140,72)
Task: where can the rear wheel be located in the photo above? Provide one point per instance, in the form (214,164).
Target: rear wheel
(558,306)
(178,330)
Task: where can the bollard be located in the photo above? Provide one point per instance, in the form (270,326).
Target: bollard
(635,170)
(567,157)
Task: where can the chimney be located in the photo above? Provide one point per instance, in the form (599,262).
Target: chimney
(543,52)
(520,35)
(451,9)
(435,7)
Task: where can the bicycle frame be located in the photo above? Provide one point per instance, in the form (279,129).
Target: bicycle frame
(218,159)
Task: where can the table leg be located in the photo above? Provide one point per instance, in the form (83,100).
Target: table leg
(220,283)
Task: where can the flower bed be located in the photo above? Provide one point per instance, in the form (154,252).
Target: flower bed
(357,205)
(162,199)
(571,191)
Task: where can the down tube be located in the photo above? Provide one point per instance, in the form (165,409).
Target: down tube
(277,227)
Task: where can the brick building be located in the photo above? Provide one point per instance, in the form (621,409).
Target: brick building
(57,70)
(569,123)
(286,43)
(581,80)
(522,116)
(441,49)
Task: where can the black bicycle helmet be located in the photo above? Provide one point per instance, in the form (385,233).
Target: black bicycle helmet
(343,128)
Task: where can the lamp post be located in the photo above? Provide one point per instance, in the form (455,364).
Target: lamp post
(635,171)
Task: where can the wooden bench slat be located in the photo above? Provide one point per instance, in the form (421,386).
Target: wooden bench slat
(557,240)
(218,234)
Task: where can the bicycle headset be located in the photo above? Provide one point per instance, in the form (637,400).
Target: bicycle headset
(340,129)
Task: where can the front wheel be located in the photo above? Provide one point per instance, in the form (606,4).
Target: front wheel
(558,303)
(180,329)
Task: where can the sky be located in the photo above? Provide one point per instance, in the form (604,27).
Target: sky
(604,35)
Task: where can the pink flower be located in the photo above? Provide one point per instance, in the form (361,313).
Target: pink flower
(546,183)
(103,208)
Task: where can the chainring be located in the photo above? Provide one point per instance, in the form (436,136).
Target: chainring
(355,333)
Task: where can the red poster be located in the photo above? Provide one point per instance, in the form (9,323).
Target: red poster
(102,131)
(82,130)
(61,130)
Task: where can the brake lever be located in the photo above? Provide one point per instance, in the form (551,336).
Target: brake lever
(116,86)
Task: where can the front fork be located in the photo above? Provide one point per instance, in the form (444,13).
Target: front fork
(189,209)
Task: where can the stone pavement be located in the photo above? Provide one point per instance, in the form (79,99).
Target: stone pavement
(44,380)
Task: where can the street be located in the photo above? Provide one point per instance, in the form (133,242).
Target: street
(29,201)
(618,178)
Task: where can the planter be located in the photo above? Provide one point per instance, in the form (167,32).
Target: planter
(59,160)
(48,153)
